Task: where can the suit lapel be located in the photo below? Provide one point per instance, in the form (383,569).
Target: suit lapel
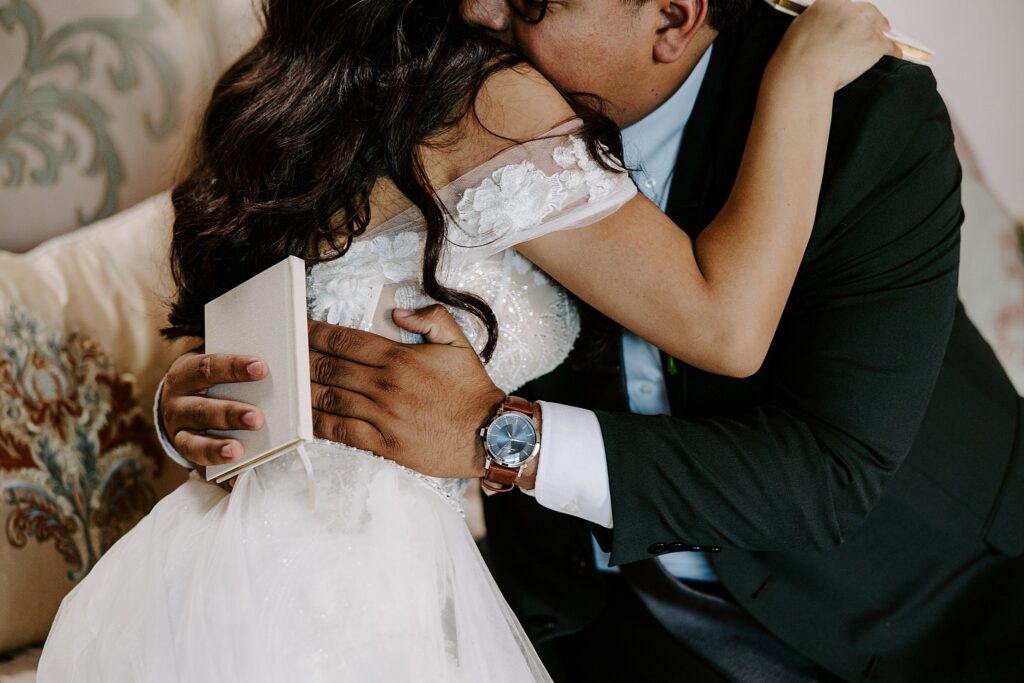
(716,133)
(710,154)
(694,171)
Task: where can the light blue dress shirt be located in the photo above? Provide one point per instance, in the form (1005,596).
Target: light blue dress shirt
(651,145)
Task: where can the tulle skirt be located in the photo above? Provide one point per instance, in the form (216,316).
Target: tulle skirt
(381,582)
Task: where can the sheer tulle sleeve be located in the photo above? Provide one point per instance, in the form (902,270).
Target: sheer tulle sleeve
(539,187)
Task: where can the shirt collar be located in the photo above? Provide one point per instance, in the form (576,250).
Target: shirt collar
(643,139)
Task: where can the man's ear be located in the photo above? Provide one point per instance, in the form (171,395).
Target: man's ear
(680,22)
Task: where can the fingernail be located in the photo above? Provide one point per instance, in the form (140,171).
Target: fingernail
(403,312)
(249,418)
(227,452)
(255,368)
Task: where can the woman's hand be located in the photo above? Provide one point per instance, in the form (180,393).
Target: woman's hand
(187,412)
(834,41)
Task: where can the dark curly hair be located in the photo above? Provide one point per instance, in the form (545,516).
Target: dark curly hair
(335,95)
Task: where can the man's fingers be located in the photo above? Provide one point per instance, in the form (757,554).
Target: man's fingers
(199,413)
(344,342)
(435,323)
(203,449)
(348,431)
(344,403)
(193,373)
(342,373)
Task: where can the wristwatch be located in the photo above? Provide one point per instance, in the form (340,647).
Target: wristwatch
(510,442)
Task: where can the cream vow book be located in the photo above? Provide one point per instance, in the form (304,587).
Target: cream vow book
(265,317)
(913,51)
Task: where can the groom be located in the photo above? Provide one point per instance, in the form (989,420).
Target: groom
(855,509)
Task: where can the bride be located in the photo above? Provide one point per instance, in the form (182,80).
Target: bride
(406,158)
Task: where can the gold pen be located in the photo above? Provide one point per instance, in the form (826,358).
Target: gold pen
(912,50)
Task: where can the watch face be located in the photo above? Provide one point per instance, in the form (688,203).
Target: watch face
(511,439)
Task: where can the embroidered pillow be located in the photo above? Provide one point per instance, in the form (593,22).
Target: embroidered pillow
(80,358)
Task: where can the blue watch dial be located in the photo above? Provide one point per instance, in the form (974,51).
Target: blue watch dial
(511,439)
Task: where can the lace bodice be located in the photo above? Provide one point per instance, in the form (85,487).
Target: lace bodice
(542,186)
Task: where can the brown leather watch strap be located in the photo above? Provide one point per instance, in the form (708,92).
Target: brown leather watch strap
(519,405)
(499,478)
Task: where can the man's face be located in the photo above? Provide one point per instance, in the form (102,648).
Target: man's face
(604,47)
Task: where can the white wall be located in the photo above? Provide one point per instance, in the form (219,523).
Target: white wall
(980,70)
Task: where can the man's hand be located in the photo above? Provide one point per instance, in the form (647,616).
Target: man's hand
(421,405)
(187,412)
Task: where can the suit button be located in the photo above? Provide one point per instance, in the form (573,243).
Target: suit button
(678,547)
(657,548)
(579,565)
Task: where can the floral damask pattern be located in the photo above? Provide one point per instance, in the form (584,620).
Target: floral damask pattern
(42,116)
(76,455)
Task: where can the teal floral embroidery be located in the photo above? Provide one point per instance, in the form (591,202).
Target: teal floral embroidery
(32,106)
(76,455)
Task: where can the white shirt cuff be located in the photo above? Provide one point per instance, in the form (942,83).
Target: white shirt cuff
(572,474)
(165,443)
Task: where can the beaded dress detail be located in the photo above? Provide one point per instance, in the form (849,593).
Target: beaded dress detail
(381,581)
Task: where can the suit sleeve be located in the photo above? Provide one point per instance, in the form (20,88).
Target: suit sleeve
(852,368)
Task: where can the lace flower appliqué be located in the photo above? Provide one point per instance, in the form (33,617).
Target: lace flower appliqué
(338,291)
(521,196)
(583,169)
(514,197)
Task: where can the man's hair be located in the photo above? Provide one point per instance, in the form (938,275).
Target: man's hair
(722,14)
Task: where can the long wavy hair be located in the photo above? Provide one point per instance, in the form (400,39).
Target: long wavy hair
(334,96)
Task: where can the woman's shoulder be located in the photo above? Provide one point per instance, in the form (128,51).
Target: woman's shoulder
(519,103)
(514,105)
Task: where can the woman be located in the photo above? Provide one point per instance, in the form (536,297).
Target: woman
(386,160)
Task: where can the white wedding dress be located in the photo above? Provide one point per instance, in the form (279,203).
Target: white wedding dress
(382,580)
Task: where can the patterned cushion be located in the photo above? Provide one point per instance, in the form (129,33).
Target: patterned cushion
(80,358)
(98,100)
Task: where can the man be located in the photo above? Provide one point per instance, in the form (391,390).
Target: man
(857,502)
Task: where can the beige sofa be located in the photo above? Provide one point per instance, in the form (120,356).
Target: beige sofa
(79,351)
(98,100)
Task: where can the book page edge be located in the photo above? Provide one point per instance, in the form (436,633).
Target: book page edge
(259,460)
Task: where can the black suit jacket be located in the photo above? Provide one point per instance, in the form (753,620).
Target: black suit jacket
(866,487)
